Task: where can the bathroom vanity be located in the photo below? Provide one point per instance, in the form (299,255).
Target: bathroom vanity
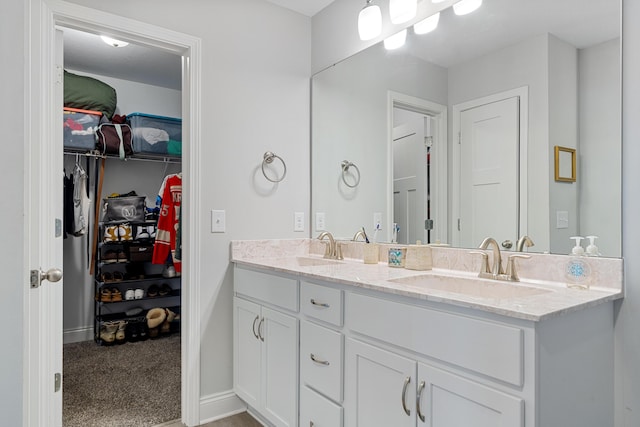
(321,342)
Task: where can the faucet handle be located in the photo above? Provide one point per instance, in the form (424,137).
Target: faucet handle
(485,270)
(339,251)
(511,273)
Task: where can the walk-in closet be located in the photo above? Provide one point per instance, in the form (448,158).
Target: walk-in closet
(121,226)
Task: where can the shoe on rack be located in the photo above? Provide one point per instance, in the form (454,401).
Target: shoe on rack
(124,232)
(151,229)
(116,295)
(108,332)
(110,257)
(121,256)
(120,332)
(169,271)
(153,291)
(142,232)
(111,234)
(139,293)
(105,295)
(165,290)
(129,294)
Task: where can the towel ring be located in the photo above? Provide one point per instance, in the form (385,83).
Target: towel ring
(268,159)
(346,164)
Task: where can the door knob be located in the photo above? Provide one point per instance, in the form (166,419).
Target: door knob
(52,275)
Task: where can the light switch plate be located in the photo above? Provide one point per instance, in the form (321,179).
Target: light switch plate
(377,221)
(562,219)
(320,224)
(218,221)
(298,221)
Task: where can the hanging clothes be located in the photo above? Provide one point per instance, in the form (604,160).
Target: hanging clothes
(168,221)
(81,201)
(68,225)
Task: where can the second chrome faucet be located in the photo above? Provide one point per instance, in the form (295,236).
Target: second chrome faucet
(496,271)
(333,249)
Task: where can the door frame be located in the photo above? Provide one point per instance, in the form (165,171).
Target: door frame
(457,109)
(439,174)
(42,167)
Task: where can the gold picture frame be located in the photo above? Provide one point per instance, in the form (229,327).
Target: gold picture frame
(565,164)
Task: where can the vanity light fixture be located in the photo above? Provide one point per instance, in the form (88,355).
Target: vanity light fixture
(113,42)
(395,41)
(402,10)
(427,25)
(369,21)
(466,6)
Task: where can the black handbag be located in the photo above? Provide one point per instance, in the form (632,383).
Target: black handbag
(114,139)
(124,209)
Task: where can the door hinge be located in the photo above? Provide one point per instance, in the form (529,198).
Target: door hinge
(57,382)
(59,74)
(459,138)
(458,224)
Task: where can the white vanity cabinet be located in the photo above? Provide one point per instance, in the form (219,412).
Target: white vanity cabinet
(384,388)
(266,346)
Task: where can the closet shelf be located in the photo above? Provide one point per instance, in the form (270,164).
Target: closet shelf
(173,294)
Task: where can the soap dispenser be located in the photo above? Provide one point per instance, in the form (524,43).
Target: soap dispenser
(577,270)
(592,249)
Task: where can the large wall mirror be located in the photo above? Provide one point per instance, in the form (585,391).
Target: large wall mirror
(451,138)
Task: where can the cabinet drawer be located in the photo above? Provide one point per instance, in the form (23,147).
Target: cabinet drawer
(316,411)
(489,348)
(321,302)
(270,288)
(321,352)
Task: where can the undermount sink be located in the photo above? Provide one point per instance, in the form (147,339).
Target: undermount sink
(472,287)
(303,261)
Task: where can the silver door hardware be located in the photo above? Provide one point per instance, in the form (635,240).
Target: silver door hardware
(57,382)
(58,227)
(37,276)
(428,224)
(318,361)
(319,304)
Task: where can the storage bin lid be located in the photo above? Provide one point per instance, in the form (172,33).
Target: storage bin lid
(152,116)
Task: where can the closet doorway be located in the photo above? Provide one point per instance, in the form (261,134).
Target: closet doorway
(44,352)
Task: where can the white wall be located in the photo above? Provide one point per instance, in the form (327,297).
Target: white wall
(628,316)
(599,80)
(12,225)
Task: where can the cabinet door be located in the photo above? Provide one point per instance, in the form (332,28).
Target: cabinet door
(380,387)
(447,400)
(280,367)
(246,350)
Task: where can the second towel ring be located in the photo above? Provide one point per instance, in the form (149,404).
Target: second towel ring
(268,159)
(346,164)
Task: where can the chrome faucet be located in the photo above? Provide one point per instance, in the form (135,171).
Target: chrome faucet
(522,242)
(333,250)
(360,233)
(497,258)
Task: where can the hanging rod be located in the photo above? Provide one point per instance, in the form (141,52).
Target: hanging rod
(141,159)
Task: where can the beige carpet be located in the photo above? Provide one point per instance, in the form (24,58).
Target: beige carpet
(128,385)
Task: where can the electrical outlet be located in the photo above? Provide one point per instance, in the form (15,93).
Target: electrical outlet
(320,224)
(218,221)
(298,221)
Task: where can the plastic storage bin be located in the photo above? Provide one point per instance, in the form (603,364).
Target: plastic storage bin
(80,128)
(155,134)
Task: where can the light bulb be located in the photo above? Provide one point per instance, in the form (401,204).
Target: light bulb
(466,6)
(369,21)
(402,10)
(113,42)
(437,1)
(395,41)
(427,25)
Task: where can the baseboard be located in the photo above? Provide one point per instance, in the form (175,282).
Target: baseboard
(77,335)
(220,405)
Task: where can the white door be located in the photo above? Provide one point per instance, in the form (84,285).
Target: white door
(246,349)
(380,388)
(410,158)
(447,400)
(489,165)
(279,333)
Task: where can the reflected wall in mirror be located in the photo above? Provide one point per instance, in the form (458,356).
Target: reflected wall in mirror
(420,124)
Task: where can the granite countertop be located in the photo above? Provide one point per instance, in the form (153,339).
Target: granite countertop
(530,299)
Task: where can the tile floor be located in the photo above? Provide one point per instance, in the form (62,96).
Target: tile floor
(240,420)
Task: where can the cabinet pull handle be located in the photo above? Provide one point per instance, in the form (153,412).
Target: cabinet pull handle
(260,330)
(254,327)
(318,361)
(404,396)
(319,304)
(418,407)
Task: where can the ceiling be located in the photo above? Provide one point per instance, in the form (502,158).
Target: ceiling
(456,39)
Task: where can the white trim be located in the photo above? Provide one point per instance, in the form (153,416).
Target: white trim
(77,335)
(523,94)
(439,192)
(44,16)
(220,405)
